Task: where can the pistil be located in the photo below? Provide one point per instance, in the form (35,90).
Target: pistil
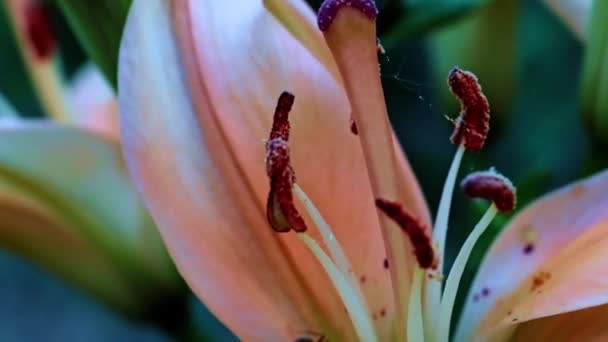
(349,29)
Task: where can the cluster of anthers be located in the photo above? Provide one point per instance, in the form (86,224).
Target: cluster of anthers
(471,130)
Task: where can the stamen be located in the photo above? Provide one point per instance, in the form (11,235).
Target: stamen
(280,210)
(332,244)
(421,241)
(433,286)
(485,184)
(472,127)
(473,124)
(329,10)
(415,324)
(38,30)
(336,251)
(283,217)
(492,186)
(355,305)
(453,280)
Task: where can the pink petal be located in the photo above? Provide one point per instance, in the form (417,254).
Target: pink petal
(549,260)
(92,102)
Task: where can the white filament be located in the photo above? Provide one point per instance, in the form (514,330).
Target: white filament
(355,306)
(433,286)
(451,286)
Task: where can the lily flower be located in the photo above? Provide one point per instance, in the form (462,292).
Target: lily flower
(66,202)
(330,239)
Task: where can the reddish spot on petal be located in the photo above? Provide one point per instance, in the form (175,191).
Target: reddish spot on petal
(385,264)
(362,279)
(579,190)
(473,124)
(528,248)
(383,312)
(539,280)
(510,312)
(421,241)
(330,9)
(374,316)
(485,292)
(353,127)
(492,186)
(39,31)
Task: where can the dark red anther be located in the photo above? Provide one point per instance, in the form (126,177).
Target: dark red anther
(280,210)
(280,121)
(330,8)
(38,30)
(492,186)
(421,241)
(473,124)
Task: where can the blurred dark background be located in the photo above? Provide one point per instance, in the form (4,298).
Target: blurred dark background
(529,63)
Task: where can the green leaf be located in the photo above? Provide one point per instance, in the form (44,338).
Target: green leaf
(67,204)
(595,74)
(98,25)
(422,16)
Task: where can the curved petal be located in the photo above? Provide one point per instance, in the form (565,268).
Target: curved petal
(581,325)
(65,193)
(551,259)
(93,103)
(193,122)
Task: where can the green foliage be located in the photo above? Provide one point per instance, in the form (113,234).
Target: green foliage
(98,26)
(595,74)
(419,17)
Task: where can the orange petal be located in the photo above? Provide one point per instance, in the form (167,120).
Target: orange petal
(93,104)
(549,260)
(193,123)
(582,325)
